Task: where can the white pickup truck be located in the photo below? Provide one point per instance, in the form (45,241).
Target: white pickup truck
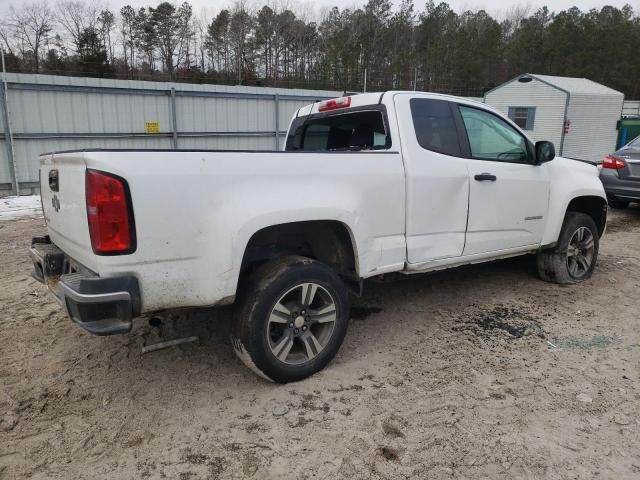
(367,185)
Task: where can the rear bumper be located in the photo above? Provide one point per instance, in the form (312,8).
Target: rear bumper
(102,306)
(616,187)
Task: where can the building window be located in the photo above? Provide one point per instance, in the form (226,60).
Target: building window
(523,116)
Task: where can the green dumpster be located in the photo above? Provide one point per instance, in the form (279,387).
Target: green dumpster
(628,129)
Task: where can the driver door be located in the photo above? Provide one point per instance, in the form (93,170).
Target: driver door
(508,192)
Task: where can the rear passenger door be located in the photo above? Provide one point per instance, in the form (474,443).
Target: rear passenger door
(437,177)
(509,193)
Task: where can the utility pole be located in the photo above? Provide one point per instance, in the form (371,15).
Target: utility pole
(8,135)
(364,82)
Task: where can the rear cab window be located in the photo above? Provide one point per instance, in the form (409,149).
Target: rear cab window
(364,128)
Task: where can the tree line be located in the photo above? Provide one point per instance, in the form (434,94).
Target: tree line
(379,46)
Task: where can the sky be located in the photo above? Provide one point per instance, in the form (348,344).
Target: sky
(494,6)
(308,6)
(458,5)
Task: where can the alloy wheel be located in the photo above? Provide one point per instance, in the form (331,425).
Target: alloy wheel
(301,323)
(580,252)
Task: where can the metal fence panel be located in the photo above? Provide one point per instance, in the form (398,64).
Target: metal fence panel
(213,114)
(46,112)
(53,113)
(5,176)
(28,151)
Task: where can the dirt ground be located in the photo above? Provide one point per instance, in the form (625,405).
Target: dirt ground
(484,372)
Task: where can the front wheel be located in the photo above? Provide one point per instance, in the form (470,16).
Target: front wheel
(574,257)
(290,319)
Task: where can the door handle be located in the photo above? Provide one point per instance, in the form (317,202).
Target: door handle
(485,176)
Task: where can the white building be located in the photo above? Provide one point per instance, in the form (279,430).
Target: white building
(578,115)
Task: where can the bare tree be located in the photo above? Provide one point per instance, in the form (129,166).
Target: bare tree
(200,39)
(76,16)
(5,33)
(241,27)
(30,26)
(106,22)
(513,17)
(128,34)
(186,34)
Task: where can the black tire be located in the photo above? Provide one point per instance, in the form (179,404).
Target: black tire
(617,203)
(553,264)
(258,296)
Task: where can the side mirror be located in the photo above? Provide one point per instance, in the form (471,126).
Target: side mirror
(545,152)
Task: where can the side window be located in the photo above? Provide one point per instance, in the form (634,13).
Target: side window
(524,117)
(434,125)
(491,138)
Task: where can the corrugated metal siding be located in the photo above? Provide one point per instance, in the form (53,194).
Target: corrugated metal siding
(592,134)
(549,102)
(28,151)
(50,113)
(78,112)
(4,164)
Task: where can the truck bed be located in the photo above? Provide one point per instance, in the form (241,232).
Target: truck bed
(196,210)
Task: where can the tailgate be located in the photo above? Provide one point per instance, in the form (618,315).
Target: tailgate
(62,186)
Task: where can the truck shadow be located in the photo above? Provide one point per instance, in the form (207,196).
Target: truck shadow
(382,300)
(424,303)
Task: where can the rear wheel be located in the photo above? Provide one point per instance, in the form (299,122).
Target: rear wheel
(290,319)
(574,257)
(617,203)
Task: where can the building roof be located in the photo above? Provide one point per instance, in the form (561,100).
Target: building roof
(572,85)
(577,85)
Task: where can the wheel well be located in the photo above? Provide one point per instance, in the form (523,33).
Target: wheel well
(324,240)
(595,207)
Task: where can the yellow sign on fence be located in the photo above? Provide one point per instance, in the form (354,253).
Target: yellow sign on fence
(152,127)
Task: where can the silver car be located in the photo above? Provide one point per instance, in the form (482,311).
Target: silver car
(620,175)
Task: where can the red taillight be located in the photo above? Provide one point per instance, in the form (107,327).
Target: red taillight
(110,219)
(334,104)
(613,162)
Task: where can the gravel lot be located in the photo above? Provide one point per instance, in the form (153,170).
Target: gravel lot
(484,372)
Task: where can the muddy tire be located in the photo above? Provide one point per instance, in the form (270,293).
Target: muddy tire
(290,318)
(573,259)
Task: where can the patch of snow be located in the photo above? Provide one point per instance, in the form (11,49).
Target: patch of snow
(17,207)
